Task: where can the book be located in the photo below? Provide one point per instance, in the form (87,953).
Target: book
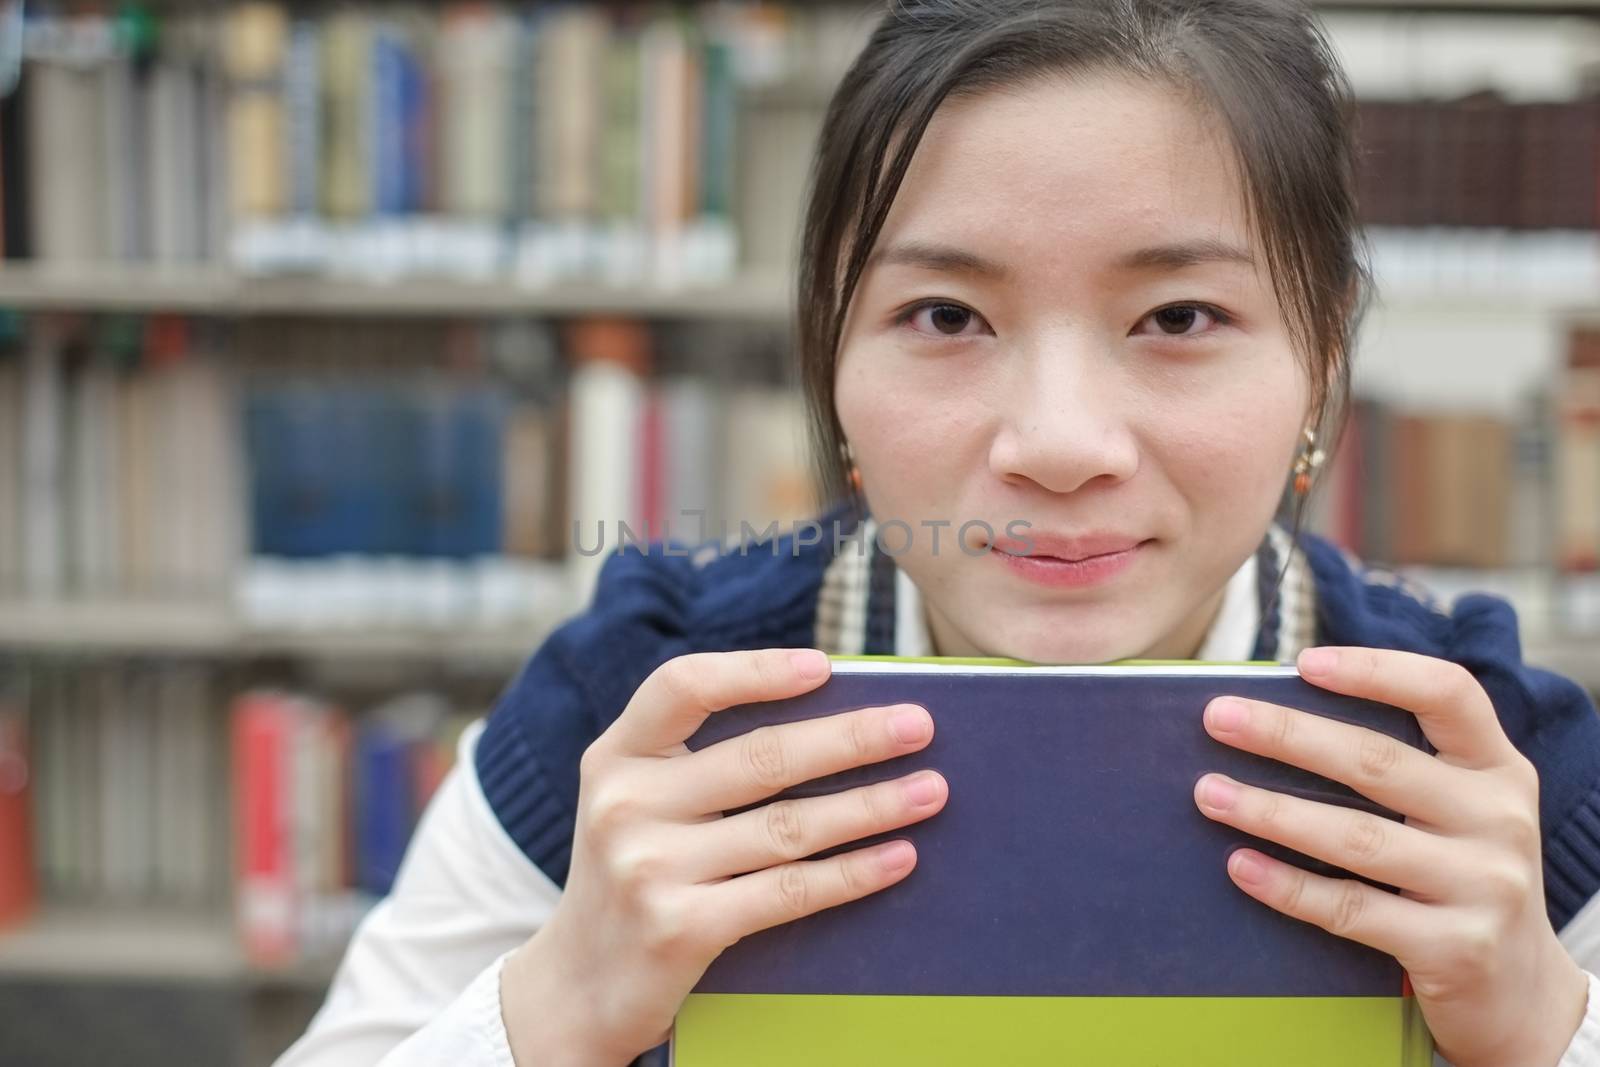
(385,779)
(263,728)
(17,222)
(1578,470)
(1070,903)
(254,41)
(43,459)
(11,473)
(18,881)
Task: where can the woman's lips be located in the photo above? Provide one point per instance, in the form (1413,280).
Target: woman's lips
(1078,565)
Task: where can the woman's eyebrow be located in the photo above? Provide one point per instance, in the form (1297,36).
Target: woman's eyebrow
(945,258)
(950,259)
(1184,254)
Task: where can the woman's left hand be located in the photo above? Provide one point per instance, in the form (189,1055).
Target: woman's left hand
(1469,925)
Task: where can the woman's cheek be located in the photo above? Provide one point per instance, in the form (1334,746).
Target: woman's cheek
(1225,461)
(902,419)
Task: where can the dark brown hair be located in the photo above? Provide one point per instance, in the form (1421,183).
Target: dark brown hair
(1263,67)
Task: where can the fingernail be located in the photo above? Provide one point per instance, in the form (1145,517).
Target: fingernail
(1318,661)
(1218,793)
(910,726)
(809,663)
(896,856)
(1247,868)
(1226,715)
(922,789)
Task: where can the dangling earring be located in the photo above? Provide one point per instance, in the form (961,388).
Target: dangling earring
(850,463)
(1306,464)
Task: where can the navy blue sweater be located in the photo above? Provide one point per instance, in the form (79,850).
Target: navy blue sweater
(650,605)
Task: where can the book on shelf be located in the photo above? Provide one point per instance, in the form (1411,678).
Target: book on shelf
(1580,470)
(1577,414)
(548,143)
(1479,161)
(1428,487)
(125,779)
(1504,501)
(1069,902)
(535,142)
(124,478)
(19,884)
(324,807)
(178,459)
(162,788)
(686,457)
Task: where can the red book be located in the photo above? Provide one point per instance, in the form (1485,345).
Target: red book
(263,725)
(428,768)
(18,879)
(650,492)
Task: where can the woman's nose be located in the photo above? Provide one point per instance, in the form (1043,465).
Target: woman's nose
(1065,422)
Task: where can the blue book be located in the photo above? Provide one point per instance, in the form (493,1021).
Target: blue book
(415,90)
(458,503)
(387,116)
(291,434)
(263,428)
(480,432)
(383,807)
(387,801)
(395,472)
(354,458)
(1070,904)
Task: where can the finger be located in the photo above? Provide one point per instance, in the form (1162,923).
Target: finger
(1342,906)
(1454,711)
(792,891)
(789,830)
(1358,841)
(1397,775)
(769,759)
(673,702)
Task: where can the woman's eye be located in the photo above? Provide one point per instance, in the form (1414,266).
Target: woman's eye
(1180,320)
(948,320)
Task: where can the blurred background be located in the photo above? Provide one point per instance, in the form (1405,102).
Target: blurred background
(319,321)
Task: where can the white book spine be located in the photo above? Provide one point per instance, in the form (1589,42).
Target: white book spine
(42,457)
(606,403)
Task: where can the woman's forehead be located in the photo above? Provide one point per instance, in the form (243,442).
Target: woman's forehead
(1106,166)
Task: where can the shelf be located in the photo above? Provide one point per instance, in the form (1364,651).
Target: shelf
(756,298)
(210,630)
(218,291)
(195,628)
(98,944)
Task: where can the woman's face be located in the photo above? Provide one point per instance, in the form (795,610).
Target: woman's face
(1065,324)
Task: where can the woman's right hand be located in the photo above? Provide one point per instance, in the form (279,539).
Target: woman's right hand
(661,882)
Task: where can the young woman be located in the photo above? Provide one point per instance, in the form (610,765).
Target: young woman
(1092,267)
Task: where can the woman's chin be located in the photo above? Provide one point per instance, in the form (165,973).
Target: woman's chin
(1044,641)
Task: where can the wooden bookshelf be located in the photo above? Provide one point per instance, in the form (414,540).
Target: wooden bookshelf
(82,943)
(757,297)
(212,629)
